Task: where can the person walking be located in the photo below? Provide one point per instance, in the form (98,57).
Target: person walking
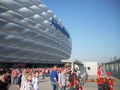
(43,74)
(101,83)
(35,81)
(110,81)
(80,83)
(62,80)
(73,80)
(14,76)
(54,78)
(23,79)
(28,83)
(100,78)
(19,80)
(3,84)
(100,72)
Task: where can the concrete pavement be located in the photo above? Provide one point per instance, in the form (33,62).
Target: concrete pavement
(46,85)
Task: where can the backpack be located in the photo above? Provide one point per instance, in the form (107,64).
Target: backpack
(73,80)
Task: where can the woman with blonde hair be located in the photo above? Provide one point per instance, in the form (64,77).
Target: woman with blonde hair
(28,83)
(23,79)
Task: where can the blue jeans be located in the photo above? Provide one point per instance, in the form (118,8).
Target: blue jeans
(55,85)
(63,88)
(101,87)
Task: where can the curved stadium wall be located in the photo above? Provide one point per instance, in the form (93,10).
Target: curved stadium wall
(31,33)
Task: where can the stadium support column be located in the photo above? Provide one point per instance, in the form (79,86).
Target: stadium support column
(72,66)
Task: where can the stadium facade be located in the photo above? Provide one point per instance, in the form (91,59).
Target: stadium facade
(114,67)
(31,33)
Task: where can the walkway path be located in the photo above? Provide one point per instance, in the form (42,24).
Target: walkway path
(93,85)
(46,85)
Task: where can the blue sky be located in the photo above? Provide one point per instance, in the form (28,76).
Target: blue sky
(94,26)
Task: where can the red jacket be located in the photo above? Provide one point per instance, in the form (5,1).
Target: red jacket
(99,73)
(100,81)
(111,83)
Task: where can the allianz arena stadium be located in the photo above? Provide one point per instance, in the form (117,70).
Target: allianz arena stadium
(31,33)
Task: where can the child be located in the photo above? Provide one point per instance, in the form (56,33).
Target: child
(35,81)
(28,83)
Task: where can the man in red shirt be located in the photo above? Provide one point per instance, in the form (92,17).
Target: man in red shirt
(110,80)
(43,74)
(100,72)
(100,79)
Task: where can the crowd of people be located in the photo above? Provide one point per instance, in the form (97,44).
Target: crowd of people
(61,78)
(29,79)
(105,82)
(64,78)
(25,79)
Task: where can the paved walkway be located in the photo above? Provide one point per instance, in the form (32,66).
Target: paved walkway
(46,85)
(93,85)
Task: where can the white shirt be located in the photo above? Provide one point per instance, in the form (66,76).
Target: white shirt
(28,86)
(35,82)
(23,79)
(62,79)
